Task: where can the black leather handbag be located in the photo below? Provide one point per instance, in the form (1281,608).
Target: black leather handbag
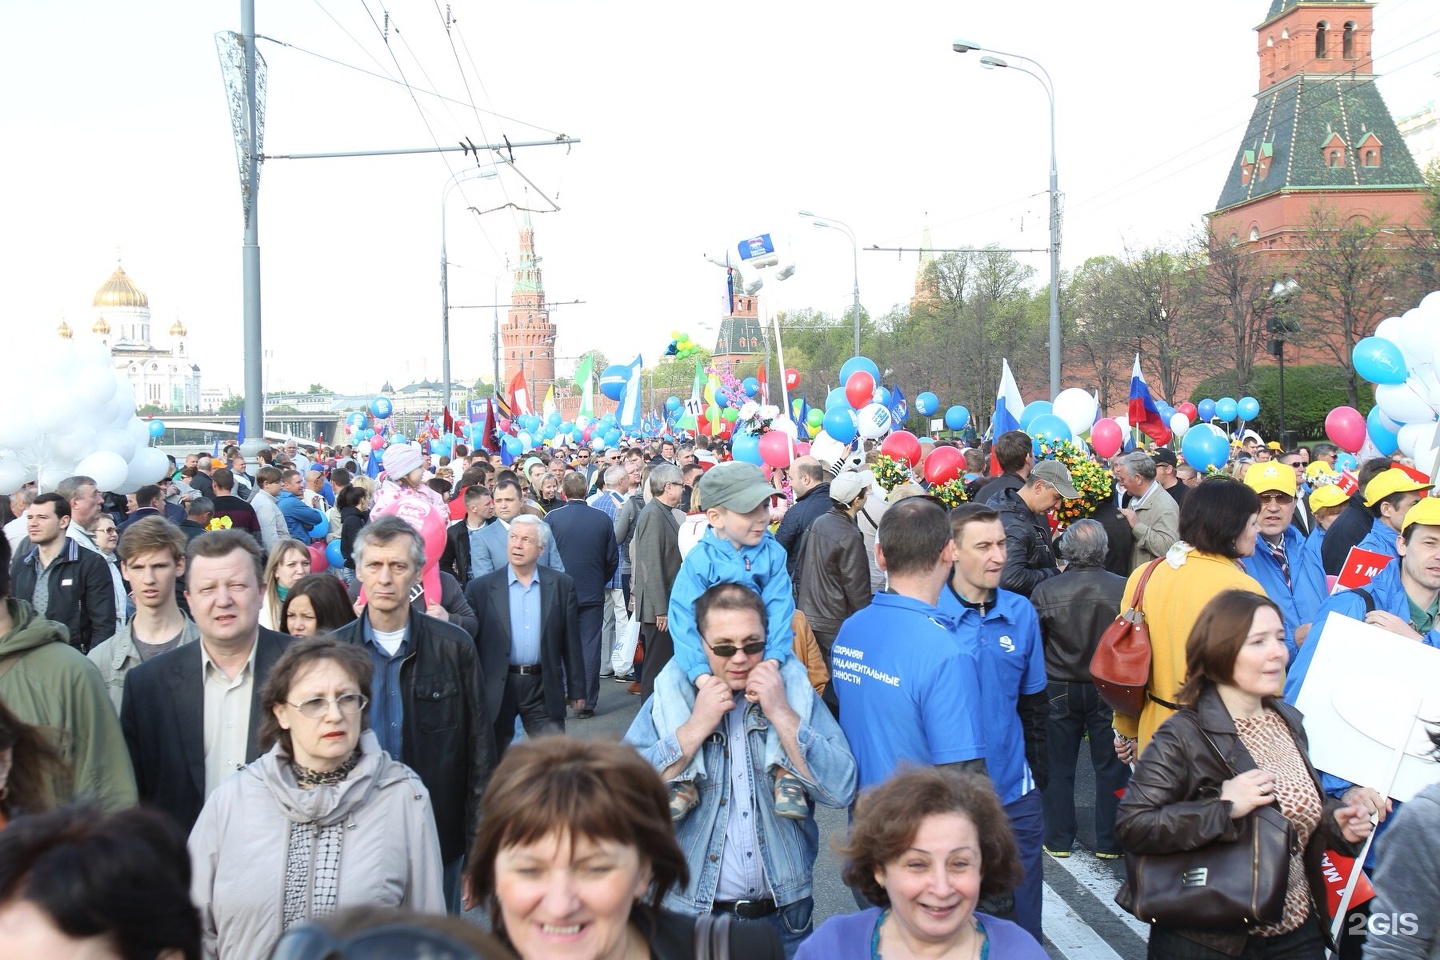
(1224,885)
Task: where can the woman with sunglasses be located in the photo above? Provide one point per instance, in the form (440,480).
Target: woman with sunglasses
(325,819)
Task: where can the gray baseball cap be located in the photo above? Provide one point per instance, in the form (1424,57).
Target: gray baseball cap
(735,486)
(1057,475)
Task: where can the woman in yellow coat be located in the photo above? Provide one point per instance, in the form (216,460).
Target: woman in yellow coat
(1219,521)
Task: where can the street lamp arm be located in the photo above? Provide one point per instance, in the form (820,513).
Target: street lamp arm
(844,228)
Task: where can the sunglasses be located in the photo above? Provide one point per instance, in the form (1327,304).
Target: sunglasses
(390,942)
(727,650)
(1283,499)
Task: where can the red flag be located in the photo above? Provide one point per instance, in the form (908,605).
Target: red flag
(519,395)
(764,384)
(1336,871)
(1360,568)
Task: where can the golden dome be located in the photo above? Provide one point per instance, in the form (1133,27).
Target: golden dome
(177,329)
(101,328)
(120,291)
(64,330)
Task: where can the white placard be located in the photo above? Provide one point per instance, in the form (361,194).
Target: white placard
(1368,692)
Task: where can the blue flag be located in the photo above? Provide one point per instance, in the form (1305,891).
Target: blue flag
(240,431)
(899,409)
(372,465)
(628,416)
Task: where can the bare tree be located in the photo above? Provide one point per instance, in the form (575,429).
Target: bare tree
(1233,292)
(1101,335)
(1156,291)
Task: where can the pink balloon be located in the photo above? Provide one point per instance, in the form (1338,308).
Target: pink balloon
(802,449)
(1106,437)
(775,449)
(430,522)
(1346,428)
(319,563)
(377,442)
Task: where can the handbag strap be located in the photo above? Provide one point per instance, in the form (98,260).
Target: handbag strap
(712,937)
(1139,597)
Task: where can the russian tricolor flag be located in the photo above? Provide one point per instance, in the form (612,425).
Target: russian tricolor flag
(1007,404)
(1143,413)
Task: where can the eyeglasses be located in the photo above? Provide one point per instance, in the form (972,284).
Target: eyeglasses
(727,650)
(1282,499)
(315,708)
(390,942)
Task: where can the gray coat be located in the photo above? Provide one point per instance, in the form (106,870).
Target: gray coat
(117,656)
(390,854)
(657,560)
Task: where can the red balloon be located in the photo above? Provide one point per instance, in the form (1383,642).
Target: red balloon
(1189,409)
(1346,428)
(775,448)
(319,563)
(1106,437)
(944,464)
(860,389)
(902,445)
(792,378)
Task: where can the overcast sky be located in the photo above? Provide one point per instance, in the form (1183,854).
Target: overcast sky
(700,125)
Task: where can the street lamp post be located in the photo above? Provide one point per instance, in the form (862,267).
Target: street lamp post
(993,62)
(1280,327)
(844,228)
(454,181)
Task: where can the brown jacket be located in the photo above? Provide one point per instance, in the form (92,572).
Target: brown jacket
(1173,800)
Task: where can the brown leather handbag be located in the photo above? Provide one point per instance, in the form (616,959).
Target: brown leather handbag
(1121,664)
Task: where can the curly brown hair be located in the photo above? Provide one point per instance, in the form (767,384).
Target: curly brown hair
(888,818)
(297,658)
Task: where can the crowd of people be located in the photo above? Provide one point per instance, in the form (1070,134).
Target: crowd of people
(359,698)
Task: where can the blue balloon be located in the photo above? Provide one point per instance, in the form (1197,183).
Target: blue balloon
(956,418)
(1346,461)
(513,445)
(1387,441)
(381,407)
(1248,408)
(1203,449)
(156,428)
(1033,409)
(836,400)
(318,531)
(672,404)
(1205,410)
(751,386)
(613,380)
(746,447)
(882,396)
(722,400)
(398,438)
(1379,361)
(334,554)
(612,437)
(927,403)
(856,364)
(356,419)
(369,433)
(840,424)
(552,419)
(1227,409)
(1047,426)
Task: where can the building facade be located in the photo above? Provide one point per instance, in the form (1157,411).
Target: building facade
(528,337)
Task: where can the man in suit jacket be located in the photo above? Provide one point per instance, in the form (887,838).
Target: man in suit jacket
(1153,515)
(529,638)
(479,513)
(585,539)
(190,716)
(495,538)
(657,563)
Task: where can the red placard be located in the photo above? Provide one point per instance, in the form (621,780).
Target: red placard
(1336,871)
(1361,566)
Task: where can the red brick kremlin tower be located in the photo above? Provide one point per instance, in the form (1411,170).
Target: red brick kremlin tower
(528,335)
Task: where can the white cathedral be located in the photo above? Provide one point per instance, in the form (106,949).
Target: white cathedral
(165,378)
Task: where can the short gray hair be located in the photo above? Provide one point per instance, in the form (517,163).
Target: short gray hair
(542,529)
(70,487)
(613,475)
(382,531)
(1085,544)
(1139,463)
(663,475)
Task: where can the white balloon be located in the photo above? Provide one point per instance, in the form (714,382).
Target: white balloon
(785,425)
(1123,422)
(1077,408)
(1413,437)
(12,477)
(873,421)
(1402,403)
(17,432)
(72,445)
(1430,306)
(1416,339)
(138,431)
(95,386)
(1179,424)
(106,468)
(1389,329)
(116,441)
(51,473)
(149,465)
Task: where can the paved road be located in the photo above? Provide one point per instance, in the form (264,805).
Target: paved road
(1081,919)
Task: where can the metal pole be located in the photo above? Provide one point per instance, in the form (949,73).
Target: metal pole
(1054,260)
(444,310)
(250,256)
(1280,357)
(855,255)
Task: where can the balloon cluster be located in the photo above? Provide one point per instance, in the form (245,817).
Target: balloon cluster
(681,346)
(67,413)
(1402,359)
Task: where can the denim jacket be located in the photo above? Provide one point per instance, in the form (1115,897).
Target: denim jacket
(787,847)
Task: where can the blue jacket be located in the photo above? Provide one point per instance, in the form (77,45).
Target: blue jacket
(1381,539)
(713,561)
(298,517)
(1263,566)
(495,540)
(787,847)
(1308,574)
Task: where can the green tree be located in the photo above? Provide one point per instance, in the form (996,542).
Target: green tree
(318,388)
(1311,392)
(231,404)
(1234,300)
(149,410)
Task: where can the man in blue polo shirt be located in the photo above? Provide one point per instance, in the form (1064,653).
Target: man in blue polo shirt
(909,691)
(1004,630)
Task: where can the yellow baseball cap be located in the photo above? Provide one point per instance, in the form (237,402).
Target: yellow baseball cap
(1274,445)
(1319,469)
(1426,513)
(1271,477)
(1389,482)
(1327,495)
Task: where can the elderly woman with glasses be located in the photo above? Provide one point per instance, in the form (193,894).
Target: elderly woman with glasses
(325,819)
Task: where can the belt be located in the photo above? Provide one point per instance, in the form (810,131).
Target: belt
(1164,703)
(526,669)
(745,909)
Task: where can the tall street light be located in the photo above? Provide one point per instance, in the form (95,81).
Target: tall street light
(994,62)
(844,228)
(466,174)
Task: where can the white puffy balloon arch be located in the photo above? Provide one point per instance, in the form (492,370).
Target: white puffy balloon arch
(67,412)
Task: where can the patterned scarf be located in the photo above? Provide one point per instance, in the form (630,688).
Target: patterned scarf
(308,896)
(306,778)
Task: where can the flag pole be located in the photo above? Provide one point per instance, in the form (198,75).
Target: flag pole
(784,391)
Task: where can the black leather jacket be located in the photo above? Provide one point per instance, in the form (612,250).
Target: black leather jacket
(1173,800)
(447,738)
(1029,559)
(1074,609)
(832,576)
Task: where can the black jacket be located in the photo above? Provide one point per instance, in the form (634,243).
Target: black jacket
(671,936)
(1352,526)
(1029,559)
(805,511)
(995,486)
(832,576)
(1173,800)
(1074,609)
(446,737)
(559,637)
(585,540)
(456,558)
(82,592)
(163,718)
(351,520)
